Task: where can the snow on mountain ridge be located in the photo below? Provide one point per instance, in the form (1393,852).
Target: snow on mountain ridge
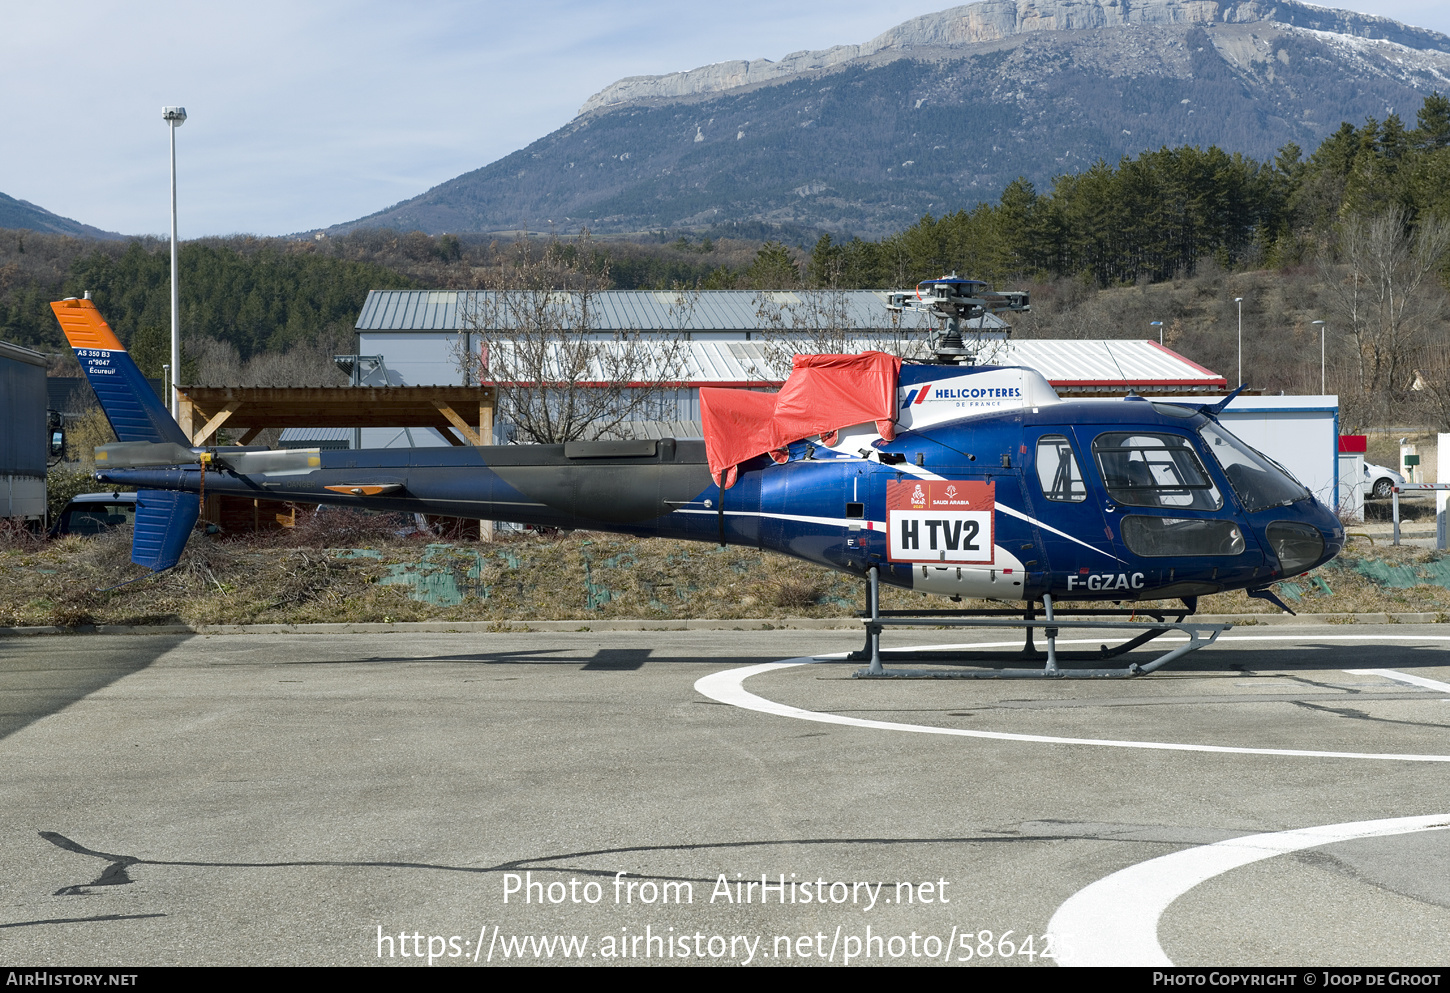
(995,20)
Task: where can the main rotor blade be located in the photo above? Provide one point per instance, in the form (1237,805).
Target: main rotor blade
(146,454)
(285,460)
(141,454)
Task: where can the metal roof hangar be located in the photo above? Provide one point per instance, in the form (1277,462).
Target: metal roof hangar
(420,334)
(418,337)
(705,315)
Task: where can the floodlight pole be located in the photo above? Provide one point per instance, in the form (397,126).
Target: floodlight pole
(1240,302)
(174,117)
(1323,328)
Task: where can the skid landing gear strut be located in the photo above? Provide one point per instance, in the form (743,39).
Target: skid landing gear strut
(1052,623)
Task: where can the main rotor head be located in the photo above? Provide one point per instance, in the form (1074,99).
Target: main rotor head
(951,300)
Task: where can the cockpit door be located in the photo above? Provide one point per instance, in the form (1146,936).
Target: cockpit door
(1072,519)
(1174,522)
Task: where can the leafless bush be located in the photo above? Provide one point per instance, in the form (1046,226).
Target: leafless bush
(821,322)
(792,593)
(561,369)
(1385,299)
(333,527)
(85,433)
(218,363)
(17,535)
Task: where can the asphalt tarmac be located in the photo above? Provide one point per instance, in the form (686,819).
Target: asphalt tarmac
(607,797)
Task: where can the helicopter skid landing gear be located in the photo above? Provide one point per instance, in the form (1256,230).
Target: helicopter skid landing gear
(1052,623)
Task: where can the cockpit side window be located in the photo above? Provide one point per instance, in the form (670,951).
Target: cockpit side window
(1154,470)
(1057,470)
(1259,481)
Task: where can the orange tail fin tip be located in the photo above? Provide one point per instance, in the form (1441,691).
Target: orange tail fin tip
(84,326)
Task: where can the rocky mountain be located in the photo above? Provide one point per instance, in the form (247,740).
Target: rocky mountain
(26,216)
(942,112)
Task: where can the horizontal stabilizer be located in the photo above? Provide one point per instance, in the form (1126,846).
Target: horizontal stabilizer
(164,520)
(366,489)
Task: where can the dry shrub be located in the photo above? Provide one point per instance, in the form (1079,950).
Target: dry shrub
(103,559)
(456,529)
(334,528)
(16,535)
(578,576)
(65,481)
(1414,509)
(792,593)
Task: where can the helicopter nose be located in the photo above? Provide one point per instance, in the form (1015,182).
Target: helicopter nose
(1305,539)
(1331,530)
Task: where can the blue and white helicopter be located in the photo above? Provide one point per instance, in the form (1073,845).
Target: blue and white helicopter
(945,478)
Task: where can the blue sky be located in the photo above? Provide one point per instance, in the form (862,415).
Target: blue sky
(304,115)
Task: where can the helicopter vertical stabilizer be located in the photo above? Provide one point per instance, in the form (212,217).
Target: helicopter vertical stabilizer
(135,412)
(164,519)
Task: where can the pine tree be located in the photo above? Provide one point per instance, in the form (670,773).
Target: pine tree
(1432,124)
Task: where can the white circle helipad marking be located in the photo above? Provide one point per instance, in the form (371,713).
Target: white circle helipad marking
(1114,921)
(728,687)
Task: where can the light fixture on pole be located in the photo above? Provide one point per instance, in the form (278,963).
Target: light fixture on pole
(1323,329)
(174,117)
(1159,326)
(1240,302)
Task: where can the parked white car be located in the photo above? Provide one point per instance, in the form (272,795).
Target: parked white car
(94,513)
(1378,479)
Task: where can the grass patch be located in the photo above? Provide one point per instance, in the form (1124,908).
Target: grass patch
(339,569)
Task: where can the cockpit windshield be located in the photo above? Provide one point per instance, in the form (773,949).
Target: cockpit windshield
(1154,470)
(1259,481)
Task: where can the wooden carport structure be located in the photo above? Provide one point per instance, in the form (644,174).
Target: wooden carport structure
(207,409)
(246,411)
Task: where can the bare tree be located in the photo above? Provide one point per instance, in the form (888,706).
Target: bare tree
(1432,385)
(563,372)
(821,322)
(210,362)
(216,362)
(1386,299)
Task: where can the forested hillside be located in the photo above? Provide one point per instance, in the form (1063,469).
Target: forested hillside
(24,214)
(1354,234)
(256,294)
(1162,212)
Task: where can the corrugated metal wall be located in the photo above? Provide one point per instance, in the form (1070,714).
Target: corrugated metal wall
(22,412)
